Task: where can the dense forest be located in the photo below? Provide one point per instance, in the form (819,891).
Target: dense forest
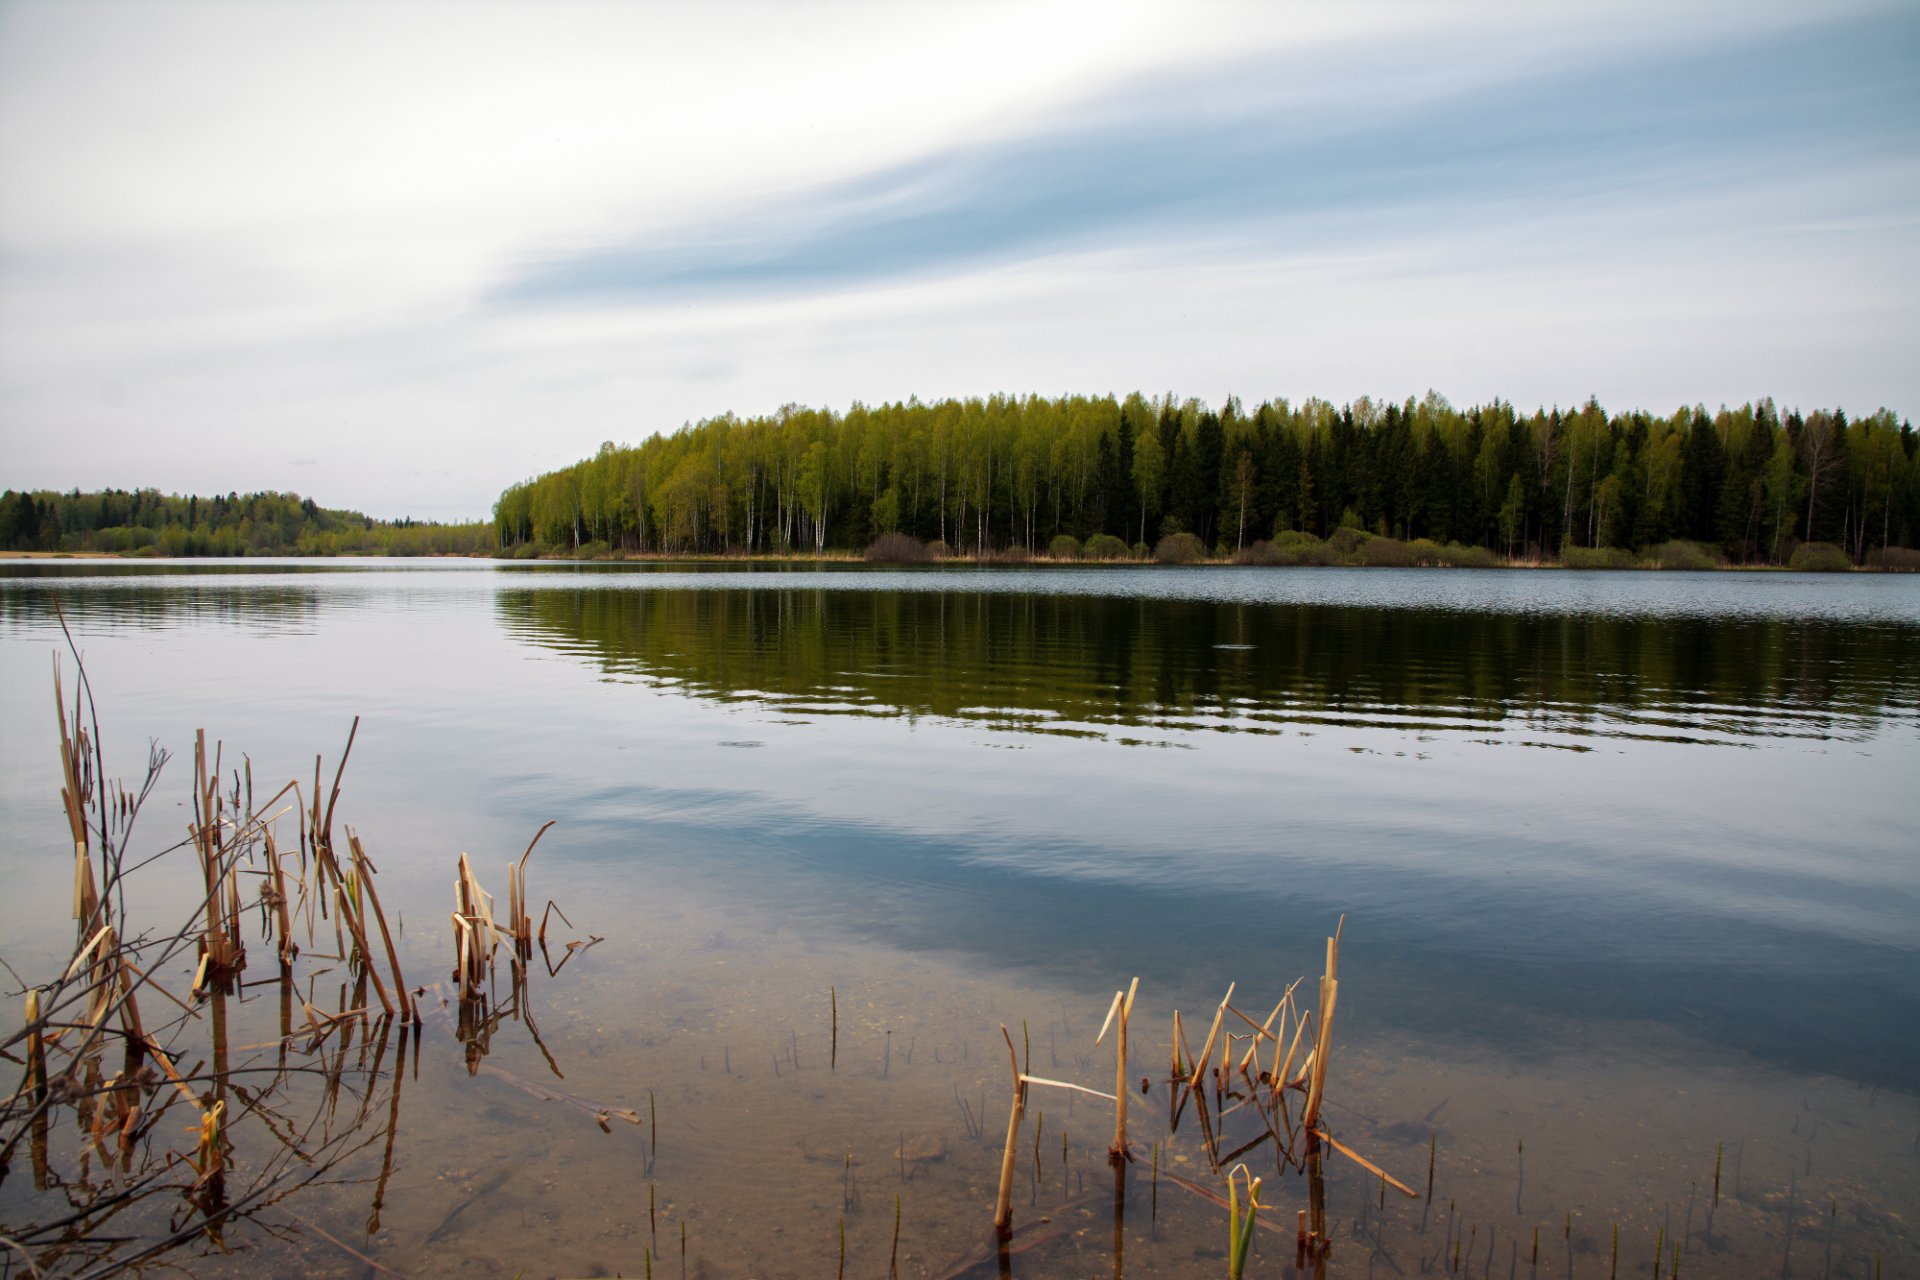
(254,524)
(1010,474)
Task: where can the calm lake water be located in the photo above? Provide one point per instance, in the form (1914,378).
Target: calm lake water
(1628,865)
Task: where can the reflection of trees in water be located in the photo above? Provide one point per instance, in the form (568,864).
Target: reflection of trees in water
(149,607)
(1034,660)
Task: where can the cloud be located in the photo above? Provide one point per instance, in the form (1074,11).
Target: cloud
(1343,139)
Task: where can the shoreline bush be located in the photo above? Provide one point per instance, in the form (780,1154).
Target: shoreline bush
(1680,554)
(1596,558)
(1819,557)
(898,548)
(1179,548)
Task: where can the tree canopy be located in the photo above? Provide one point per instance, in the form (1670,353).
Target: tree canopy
(253,524)
(983,475)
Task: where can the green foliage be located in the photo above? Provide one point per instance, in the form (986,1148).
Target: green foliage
(1597,558)
(1819,557)
(1456,556)
(1180,548)
(1346,540)
(146,522)
(1064,547)
(1296,547)
(1678,553)
(1104,546)
(988,475)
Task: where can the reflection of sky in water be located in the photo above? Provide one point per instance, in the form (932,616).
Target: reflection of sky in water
(1762,898)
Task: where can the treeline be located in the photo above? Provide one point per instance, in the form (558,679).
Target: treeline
(1004,473)
(147,522)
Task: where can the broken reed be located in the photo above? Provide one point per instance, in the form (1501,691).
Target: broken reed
(478,935)
(1267,1070)
(73,1021)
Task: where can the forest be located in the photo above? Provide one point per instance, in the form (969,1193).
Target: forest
(1016,475)
(145,522)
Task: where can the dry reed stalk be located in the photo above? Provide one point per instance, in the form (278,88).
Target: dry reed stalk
(363,953)
(1286,1065)
(1064,1084)
(289,949)
(209,1158)
(364,866)
(1213,1036)
(1003,1204)
(1323,1047)
(1259,1029)
(1366,1164)
(36,1049)
(148,980)
(1122,1010)
(220,943)
(520,909)
(85,953)
(472,915)
(76,789)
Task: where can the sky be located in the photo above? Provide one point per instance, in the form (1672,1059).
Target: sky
(396,256)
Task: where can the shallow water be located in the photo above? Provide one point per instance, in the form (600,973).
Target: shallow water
(1626,860)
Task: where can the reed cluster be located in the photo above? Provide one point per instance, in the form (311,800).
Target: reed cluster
(103,1045)
(1275,1068)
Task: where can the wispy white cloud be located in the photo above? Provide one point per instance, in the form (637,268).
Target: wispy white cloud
(1294,145)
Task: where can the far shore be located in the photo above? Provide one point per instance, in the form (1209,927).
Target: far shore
(999,561)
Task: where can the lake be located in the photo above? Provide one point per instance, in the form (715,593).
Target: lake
(1627,865)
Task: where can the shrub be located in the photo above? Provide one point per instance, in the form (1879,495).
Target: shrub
(1425,551)
(1819,557)
(1456,555)
(1140,551)
(1295,547)
(1015,554)
(897,548)
(1385,553)
(1180,548)
(595,550)
(1894,560)
(1680,554)
(1596,558)
(1064,547)
(1261,552)
(1346,540)
(938,550)
(1104,546)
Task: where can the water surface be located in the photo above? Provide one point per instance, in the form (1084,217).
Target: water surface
(1615,851)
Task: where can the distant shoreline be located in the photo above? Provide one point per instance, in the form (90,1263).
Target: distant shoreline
(994,561)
